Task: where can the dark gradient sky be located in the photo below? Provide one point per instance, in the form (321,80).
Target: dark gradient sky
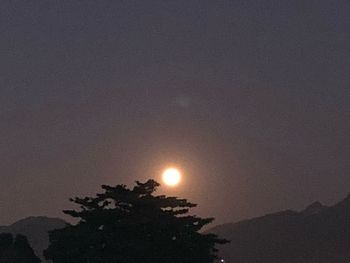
(250,98)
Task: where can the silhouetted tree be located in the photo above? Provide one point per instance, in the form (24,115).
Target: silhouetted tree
(6,240)
(132,225)
(16,250)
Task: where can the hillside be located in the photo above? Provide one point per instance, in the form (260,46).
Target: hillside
(317,234)
(36,230)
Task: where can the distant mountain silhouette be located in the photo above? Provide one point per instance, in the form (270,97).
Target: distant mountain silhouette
(36,230)
(314,208)
(318,234)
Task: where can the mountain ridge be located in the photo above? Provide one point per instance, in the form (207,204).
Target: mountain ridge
(317,234)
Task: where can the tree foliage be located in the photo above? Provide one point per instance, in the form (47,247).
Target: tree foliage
(133,225)
(16,250)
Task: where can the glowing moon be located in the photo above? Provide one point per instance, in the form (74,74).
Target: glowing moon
(171,176)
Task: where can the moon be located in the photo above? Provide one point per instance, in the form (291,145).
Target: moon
(171,176)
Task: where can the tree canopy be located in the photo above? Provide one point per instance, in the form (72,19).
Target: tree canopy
(133,225)
(16,250)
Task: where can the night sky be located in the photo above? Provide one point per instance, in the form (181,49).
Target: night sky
(250,99)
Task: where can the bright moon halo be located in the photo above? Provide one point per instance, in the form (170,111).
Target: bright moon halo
(171,176)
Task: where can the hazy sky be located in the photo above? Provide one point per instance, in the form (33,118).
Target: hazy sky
(250,99)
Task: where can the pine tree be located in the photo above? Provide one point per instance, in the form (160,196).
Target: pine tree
(133,226)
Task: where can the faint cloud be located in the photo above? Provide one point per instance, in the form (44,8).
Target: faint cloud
(183,101)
